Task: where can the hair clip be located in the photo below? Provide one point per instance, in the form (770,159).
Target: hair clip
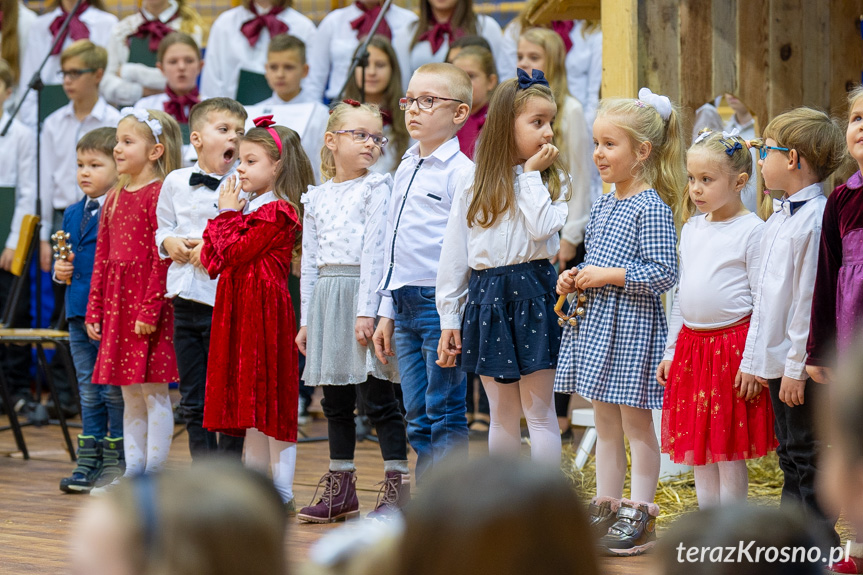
(265,122)
(702,135)
(350,102)
(658,102)
(731,149)
(143,116)
(732,134)
(536,77)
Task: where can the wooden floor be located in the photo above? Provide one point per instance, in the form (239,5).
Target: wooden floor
(36,518)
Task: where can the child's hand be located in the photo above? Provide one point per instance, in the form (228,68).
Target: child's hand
(566,253)
(195,252)
(662,372)
(94,331)
(545,157)
(566,281)
(178,249)
(6,259)
(302,335)
(591,277)
(46,256)
(383,339)
(63,268)
(364,330)
(229,195)
(820,374)
(448,347)
(791,391)
(747,385)
(142,328)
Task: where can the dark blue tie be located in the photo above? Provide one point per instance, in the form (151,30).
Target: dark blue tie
(90,210)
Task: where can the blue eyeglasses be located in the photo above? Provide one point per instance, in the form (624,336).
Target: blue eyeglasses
(762,150)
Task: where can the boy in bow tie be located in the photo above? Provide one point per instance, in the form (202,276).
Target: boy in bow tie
(188,199)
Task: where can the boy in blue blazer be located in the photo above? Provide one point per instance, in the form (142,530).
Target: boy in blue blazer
(100,446)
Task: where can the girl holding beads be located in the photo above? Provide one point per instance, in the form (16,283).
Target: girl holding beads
(252,376)
(127,309)
(496,295)
(731,418)
(133,74)
(339,305)
(611,356)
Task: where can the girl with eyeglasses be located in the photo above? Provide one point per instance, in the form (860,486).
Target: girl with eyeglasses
(344,228)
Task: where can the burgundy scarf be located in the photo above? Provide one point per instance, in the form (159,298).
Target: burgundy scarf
(564,28)
(363,24)
(435,35)
(155,29)
(252,29)
(77,30)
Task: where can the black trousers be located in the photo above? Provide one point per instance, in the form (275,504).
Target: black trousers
(15,359)
(192,323)
(381,407)
(798,452)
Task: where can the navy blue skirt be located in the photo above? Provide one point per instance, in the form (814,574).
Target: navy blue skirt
(509,327)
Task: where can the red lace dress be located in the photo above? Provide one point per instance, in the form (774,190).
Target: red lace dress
(128,285)
(252,374)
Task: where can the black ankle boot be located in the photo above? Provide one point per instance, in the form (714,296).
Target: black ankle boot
(88,467)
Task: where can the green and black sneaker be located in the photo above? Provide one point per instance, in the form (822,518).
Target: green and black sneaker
(89,466)
(113,465)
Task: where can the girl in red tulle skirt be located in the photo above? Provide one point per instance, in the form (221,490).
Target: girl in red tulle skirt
(714,417)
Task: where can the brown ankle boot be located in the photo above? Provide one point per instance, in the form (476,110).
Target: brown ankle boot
(394,494)
(634,532)
(603,514)
(338,502)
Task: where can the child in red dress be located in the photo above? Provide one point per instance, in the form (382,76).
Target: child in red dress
(127,309)
(252,377)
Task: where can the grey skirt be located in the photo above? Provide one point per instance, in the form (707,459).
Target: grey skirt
(333,355)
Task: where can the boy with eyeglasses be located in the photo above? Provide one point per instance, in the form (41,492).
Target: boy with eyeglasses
(437,105)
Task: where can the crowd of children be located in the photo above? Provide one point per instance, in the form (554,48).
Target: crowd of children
(425,212)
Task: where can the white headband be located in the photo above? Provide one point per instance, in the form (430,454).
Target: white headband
(656,101)
(143,116)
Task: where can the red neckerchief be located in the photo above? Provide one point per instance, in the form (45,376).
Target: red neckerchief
(77,30)
(436,33)
(155,29)
(386,118)
(251,29)
(175,106)
(564,28)
(363,24)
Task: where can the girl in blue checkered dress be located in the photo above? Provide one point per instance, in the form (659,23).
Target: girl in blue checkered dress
(612,354)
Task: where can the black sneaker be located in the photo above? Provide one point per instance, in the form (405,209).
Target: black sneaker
(113,461)
(634,532)
(89,466)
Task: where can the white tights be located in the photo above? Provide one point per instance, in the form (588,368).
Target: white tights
(269,455)
(148,427)
(721,483)
(613,422)
(534,395)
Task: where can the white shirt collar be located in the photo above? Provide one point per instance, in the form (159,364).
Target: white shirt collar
(165,15)
(198,169)
(807,193)
(260,201)
(98,111)
(443,153)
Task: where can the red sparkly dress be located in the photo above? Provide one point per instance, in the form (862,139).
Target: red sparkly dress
(128,285)
(253,374)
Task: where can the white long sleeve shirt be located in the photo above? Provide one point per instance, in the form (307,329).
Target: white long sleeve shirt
(331,54)
(573,129)
(783,294)
(124,81)
(528,233)
(59,161)
(182,212)
(229,51)
(18,170)
(26,18)
(344,224)
(719,265)
(412,58)
(423,193)
(39,42)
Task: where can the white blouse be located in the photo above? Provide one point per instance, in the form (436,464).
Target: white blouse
(124,81)
(229,51)
(529,233)
(412,58)
(18,170)
(331,53)
(26,17)
(579,162)
(719,264)
(345,224)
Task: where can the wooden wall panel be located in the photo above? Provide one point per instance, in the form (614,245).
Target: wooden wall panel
(620,48)
(696,52)
(752,58)
(785,65)
(659,46)
(724,17)
(815,52)
(846,56)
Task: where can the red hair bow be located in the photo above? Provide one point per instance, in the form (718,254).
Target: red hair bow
(266,122)
(353,103)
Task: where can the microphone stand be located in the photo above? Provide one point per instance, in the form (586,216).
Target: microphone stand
(37,85)
(361,56)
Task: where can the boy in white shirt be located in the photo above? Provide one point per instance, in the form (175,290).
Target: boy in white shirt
(432,171)
(189,198)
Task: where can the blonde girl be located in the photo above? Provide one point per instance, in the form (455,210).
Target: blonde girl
(127,309)
(383,89)
(612,354)
(130,77)
(495,295)
(344,225)
(732,418)
(478,64)
(542,49)
(250,246)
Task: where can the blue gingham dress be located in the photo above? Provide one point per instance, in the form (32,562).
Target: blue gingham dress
(613,353)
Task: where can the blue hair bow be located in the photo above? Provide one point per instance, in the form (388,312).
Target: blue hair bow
(731,149)
(525,81)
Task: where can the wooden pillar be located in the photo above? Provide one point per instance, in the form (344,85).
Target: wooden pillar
(619,48)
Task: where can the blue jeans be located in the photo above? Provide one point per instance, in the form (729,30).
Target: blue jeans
(101,405)
(434,398)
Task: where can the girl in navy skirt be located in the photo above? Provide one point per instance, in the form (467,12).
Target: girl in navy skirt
(497,287)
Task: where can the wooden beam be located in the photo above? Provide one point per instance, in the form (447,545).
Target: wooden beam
(752,59)
(696,53)
(619,48)
(786,56)
(659,47)
(724,47)
(846,62)
(542,12)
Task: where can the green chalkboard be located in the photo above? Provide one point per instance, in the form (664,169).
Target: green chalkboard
(253,88)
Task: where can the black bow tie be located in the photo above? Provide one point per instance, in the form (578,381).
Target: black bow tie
(199,179)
